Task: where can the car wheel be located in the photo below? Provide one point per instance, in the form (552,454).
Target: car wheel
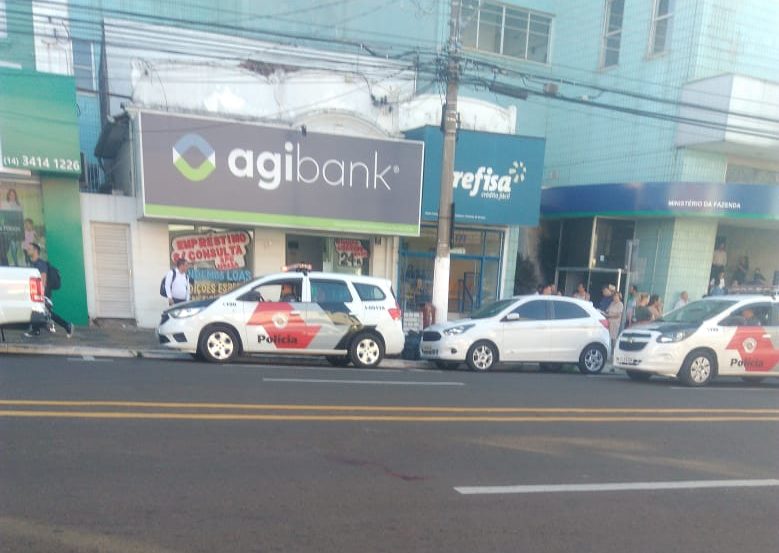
(218,344)
(550,367)
(482,356)
(593,359)
(366,350)
(338,360)
(698,369)
(446,365)
(639,376)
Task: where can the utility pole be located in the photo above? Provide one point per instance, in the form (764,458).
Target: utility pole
(445,211)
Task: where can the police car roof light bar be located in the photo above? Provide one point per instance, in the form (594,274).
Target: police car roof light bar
(298,268)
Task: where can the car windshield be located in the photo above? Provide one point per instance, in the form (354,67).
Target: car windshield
(698,311)
(491,309)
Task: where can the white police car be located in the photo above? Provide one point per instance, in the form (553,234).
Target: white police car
(345,318)
(715,336)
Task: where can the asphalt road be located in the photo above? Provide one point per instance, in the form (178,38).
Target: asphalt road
(144,456)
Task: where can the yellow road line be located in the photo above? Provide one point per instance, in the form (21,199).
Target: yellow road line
(362,418)
(378,408)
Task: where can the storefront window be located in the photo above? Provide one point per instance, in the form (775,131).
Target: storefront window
(220,259)
(474,274)
(332,255)
(21,222)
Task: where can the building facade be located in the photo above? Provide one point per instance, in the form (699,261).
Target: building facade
(674,143)
(657,123)
(39,160)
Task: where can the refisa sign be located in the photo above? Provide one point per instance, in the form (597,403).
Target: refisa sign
(233,172)
(497,177)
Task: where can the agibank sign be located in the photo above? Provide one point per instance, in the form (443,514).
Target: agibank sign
(201,169)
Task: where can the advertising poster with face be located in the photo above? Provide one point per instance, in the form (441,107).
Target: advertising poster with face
(21,223)
(220,260)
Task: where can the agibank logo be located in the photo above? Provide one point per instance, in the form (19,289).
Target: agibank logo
(195,143)
(269,169)
(490,184)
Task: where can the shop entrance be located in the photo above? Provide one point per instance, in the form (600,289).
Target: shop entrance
(474,274)
(330,254)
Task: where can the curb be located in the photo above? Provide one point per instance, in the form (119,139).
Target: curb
(93,351)
(37,349)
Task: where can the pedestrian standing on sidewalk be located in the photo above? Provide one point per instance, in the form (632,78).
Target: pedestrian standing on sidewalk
(684,299)
(632,301)
(44,268)
(655,307)
(177,287)
(614,315)
(581,292)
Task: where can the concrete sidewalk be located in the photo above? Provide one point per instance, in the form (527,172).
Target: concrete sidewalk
(108,339)
(118,339)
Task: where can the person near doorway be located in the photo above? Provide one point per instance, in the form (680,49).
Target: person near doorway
(683,300)
(642,313)
(606,294)
(717,286)
(614,315)
(719,260)
(177,287)
(630,305)
(655,307)
(44,268)
(581,292)
(740,274)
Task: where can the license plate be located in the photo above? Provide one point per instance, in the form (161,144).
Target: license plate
(626,361)
(430,351)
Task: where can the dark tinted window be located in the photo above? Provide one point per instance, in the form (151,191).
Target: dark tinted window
(329,291)
(369,292)
(567,310)
(534,310)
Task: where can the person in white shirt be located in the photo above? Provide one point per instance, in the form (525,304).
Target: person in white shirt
(683,300)
(177,283)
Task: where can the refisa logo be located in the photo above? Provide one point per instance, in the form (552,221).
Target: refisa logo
(490,184)
(196,142)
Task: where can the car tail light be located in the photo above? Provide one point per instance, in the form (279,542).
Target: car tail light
(36,289)
(604,322)
(395,312)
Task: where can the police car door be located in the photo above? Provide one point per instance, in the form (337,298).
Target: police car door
(747,345)
(274,323)
(330,314)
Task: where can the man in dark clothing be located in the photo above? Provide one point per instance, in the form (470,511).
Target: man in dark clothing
(43,268)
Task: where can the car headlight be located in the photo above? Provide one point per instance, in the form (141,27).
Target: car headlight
(185,312)
(457,330)
(675,336)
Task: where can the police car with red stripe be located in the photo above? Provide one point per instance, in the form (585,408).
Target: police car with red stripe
(715,336)
(346,318)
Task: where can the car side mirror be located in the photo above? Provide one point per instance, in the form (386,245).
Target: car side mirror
(511,317)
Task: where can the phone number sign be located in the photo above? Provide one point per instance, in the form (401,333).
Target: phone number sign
(43,163)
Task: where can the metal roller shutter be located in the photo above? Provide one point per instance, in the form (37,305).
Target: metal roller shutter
(113,276)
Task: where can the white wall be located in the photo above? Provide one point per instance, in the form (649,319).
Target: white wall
(149,247)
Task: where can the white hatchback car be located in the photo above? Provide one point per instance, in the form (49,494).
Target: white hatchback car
(719,335)
(550,330)
(345,318)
